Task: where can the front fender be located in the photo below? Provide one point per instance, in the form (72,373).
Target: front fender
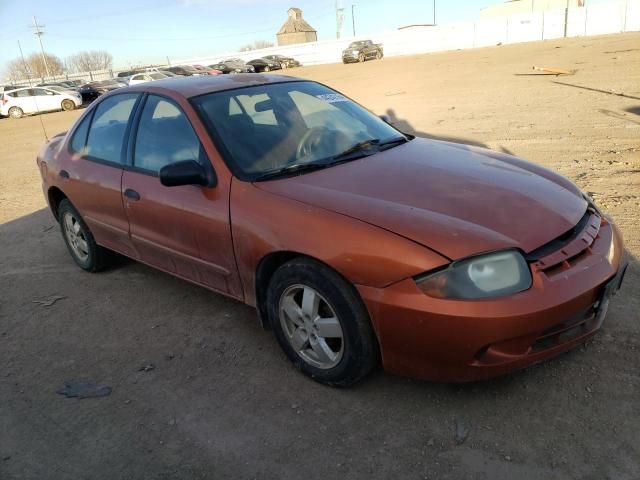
(263,223)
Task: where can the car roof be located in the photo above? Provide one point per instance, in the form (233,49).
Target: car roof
(193,86)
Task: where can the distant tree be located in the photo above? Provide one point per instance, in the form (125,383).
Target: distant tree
(257,45)
(90,60)
(37,66)
(33,67)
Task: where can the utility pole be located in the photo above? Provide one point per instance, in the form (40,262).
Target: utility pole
(37,32)
(24,64)
(339,18)
(566,18)
(353,20)
(434,12)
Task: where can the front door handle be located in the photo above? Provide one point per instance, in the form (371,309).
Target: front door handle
(132,195)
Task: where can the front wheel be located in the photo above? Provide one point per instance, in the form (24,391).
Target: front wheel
(68,105)
(378,55)
(361,58)
(321,323)
(267,69)
(79,240)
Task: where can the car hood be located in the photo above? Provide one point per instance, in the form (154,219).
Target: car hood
(455,199)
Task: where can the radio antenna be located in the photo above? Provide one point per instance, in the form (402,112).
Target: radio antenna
(28,71)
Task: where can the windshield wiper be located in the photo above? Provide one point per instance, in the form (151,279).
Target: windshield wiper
(290,169)
(362,149)
(392,143)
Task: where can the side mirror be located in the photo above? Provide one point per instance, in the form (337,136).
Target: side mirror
(187,172)
(385,118)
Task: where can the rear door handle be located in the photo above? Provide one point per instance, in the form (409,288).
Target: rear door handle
(132,195)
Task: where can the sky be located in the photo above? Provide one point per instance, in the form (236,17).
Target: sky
(147,31)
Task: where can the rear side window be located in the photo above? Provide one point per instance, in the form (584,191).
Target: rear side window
(164,136)
(79,139)
(108,128)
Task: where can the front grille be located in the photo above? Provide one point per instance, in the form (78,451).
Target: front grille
(565,251)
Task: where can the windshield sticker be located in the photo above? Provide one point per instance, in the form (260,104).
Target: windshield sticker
(332,98)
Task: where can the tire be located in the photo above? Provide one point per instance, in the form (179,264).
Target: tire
(361,57)
(378,55)
(78,238)
(266,69)
(15,112)
(68,105)
(335,344)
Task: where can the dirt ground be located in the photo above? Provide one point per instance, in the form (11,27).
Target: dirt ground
(221,401)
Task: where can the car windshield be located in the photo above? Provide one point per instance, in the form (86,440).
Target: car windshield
(292,124)
(57,88)
(356,44)
(158,76)
(189,68)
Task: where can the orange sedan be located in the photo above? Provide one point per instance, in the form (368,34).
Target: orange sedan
(357,244)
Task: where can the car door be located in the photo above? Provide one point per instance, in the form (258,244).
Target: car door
(92,174)
(185,229)
(46,100)
(24,99)
(368,49)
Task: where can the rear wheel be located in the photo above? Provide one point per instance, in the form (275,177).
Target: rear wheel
(378,55)
(321,323)
(68,105)
(80,242)
(266,68)
(15,112)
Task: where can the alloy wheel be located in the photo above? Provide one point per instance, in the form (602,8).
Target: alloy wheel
(311,326)
(76,237)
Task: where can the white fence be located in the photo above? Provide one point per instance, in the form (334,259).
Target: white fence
(612,17)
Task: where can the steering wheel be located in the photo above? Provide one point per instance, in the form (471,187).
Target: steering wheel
(309,142)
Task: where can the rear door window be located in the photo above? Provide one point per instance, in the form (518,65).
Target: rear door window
(105,141)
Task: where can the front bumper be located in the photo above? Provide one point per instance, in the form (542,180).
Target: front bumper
(349,57)
(458,340)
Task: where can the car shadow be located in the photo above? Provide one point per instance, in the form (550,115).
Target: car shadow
(634,110)
(187,366)
(405,126)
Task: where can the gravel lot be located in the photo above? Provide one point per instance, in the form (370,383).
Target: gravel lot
(217,399)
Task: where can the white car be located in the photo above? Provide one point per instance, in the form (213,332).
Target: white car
(146,77)
(23,101)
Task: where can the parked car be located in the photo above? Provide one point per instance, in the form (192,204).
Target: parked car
(64,84)
(159,70)
(234,65)
(185,71)
(264,65)
(146,77)
(90,92)
(285,62)
(24,101)
(207,70)
(128,73)
(362,50)
(445,261)
(8,87)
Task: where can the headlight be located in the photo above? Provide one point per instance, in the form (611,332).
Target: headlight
(484,276)
(355,52)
